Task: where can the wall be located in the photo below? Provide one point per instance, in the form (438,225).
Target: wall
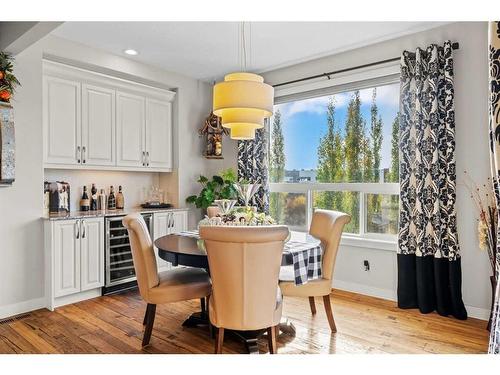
(21,206)
(21,247)
(471,85)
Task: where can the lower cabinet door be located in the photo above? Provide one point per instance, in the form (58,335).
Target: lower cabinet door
(66,257)
(92,253)
(161,224)
(179,221)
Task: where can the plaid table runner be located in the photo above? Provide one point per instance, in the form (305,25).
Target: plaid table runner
(304,250)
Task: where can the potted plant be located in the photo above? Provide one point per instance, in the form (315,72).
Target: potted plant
(8,80)
(219,187)
(487,224)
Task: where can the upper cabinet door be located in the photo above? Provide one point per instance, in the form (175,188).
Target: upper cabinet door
(158,134)
(61,121)
(98,125)
(130,129)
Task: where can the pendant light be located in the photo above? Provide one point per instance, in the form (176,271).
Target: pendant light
(243,100)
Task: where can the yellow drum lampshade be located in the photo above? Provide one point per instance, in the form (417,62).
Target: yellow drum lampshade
(243,101)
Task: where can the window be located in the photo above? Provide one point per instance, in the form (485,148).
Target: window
(338,150)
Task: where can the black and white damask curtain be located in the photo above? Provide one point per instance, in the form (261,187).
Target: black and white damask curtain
(253,167)
(494,114)
(429,269)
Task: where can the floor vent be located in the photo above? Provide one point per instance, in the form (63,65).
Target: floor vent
(13,319)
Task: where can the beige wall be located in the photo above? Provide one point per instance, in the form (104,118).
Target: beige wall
(471,90)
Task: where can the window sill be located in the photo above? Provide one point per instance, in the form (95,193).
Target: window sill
(369,243)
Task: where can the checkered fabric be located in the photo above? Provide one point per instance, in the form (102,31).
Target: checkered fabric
(305,257)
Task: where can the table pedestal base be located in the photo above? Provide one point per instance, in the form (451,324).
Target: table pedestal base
(249,338)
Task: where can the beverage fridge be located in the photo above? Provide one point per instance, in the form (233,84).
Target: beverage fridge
(119,265)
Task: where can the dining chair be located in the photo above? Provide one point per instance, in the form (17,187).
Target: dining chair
(244,266)
(179,284)
(326,226)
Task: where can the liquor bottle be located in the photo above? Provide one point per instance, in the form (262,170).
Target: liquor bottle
(102,201)
(84,201)
(93,198)
(111,199)
(120,200)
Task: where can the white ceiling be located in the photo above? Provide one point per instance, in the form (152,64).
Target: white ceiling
(208,50)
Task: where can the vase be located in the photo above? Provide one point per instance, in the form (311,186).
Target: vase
(246,191)
(493,289)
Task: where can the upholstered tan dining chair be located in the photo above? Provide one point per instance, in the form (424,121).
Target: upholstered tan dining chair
(326,226)
(244,266)
(179,284)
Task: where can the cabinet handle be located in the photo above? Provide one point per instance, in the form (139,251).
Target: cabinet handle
(171,220)
(83,154)
(78,154)
(77,229)
(143,159)
(147,158)
(83,229)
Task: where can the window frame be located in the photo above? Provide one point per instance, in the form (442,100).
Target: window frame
(385,74)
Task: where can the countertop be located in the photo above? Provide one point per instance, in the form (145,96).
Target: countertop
(106,213)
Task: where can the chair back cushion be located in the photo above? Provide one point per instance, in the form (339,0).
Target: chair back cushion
(327,226)
(143,254)
(244,267)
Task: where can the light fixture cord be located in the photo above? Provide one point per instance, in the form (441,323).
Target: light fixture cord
(244,46)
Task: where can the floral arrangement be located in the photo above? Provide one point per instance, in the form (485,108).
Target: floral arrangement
(8,80)
(485,203)
(240,216)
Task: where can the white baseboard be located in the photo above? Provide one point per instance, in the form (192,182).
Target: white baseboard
(472,311)
(365,290)
(477,312)
(21,307)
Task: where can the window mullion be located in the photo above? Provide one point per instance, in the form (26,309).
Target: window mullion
(362,216)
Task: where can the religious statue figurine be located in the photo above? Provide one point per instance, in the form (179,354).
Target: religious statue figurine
(214,131)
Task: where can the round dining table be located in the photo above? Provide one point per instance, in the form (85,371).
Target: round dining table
(181,250)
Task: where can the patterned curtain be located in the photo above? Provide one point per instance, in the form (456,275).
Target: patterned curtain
(429,269)
(494,41)
(253,166)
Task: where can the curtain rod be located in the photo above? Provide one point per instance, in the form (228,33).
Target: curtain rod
(454,45)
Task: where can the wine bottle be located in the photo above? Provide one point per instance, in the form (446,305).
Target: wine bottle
(120,200)
(93,198)
(111,199)
(102,201)
(84,201)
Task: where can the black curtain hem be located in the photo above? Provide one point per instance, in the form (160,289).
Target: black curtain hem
(430,284)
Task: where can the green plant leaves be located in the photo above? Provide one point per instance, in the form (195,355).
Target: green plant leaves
(220,187)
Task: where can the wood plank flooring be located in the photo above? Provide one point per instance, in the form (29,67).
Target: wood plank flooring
(113,324)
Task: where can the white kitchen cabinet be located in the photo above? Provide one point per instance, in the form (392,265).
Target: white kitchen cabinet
(158,134)
(74,260)
(164,223)
(61,121)
(130,130)
(95,121)
(92,253)
(98,125)
(66,250)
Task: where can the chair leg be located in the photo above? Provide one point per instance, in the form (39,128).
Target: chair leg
(312,305)
(148,309)
(329,313)
(203,306)
(150,319)
(219,339)
(271,338)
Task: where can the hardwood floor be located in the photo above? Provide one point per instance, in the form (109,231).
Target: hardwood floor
(113,324)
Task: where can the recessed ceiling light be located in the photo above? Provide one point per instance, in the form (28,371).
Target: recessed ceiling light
(131,52)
